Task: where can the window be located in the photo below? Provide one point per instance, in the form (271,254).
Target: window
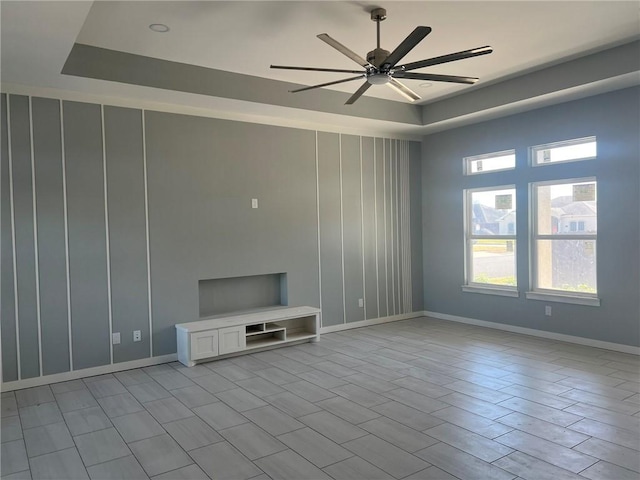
(490,226)
(490,162)
(564,237)
(567,151)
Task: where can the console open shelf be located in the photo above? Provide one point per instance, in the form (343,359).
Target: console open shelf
(224,335)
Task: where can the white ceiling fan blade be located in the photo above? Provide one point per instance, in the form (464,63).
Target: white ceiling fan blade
(432,77)
(344,50)
(406,92)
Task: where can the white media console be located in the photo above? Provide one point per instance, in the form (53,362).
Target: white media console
(223,335)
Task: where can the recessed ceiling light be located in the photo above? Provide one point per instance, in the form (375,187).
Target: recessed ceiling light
(426,85)
(159,27)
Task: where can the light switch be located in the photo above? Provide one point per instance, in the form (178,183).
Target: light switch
(254,203)
(115,338)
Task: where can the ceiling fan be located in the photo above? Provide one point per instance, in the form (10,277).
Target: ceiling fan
(380,67)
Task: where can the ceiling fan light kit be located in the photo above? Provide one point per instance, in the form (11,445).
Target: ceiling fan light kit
(380,66)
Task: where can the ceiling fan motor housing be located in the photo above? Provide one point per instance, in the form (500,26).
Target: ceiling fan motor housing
(377,57)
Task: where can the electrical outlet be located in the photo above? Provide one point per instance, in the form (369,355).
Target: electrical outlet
(254,203)
(137,335)
(547,310)
(360,302)
(115,338)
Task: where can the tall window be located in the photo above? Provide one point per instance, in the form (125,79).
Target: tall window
(564,237)
(490,226)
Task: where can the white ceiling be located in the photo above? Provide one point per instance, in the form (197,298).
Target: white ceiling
(247,36)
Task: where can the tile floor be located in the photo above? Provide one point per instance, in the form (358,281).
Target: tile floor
(418,399)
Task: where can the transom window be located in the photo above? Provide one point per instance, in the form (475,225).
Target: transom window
(490,162)
(566,151)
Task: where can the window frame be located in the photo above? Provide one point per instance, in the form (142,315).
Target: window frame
(466,162)
(536,292)
(563,143)
(469,237)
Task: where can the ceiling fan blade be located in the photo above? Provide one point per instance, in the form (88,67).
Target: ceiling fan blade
(435,78)
(403,90)
(344,50)
(452,57)
(314,69)
(406,46)
(327,84)
(365,86)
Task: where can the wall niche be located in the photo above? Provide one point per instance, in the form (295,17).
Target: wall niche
(223,295)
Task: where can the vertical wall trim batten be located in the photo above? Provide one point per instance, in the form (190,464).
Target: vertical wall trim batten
(66,234)
(403,217)
(399,225)
(408,230)
(364,281)
(318,220)
(146,226)
(375,220)
(35,235)
(344,293)
(384,211)
(393,220)
(106,228)
(13,238)
(397,233)
(405,231)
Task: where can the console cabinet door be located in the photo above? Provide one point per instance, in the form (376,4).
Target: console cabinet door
(204,344)
(232,339)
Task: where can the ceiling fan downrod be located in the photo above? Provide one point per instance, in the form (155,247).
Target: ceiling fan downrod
(378,15)
(377,56)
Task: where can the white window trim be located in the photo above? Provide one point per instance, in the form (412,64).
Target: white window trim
(545,294)
(475,287)
(487,289)
(466,162)
(553,296)
(565,143)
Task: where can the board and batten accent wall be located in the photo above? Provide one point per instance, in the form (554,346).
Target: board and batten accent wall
(110,216)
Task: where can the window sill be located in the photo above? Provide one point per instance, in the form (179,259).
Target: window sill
(563,298)
(503,292)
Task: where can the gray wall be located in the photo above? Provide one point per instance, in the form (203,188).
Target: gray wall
(116,214)
(614,119)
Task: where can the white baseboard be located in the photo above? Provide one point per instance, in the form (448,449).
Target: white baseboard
(86,372)
(617,347)
(367,323)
